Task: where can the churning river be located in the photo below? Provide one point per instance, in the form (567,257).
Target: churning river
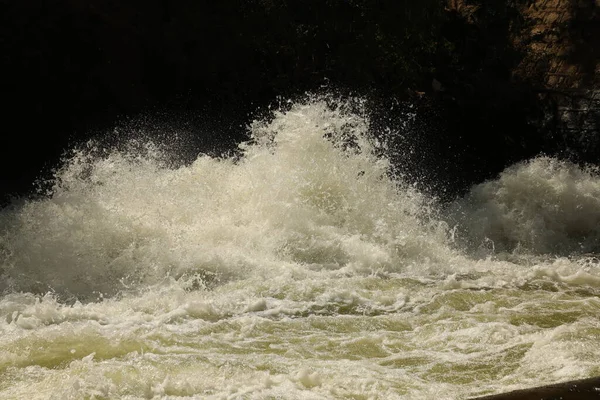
(299,269)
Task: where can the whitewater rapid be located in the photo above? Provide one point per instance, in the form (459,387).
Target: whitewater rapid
(300,269)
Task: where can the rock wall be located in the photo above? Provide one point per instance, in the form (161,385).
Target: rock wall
(562,47)
(556,52)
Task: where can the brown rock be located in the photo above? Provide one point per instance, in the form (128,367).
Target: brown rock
(584,389)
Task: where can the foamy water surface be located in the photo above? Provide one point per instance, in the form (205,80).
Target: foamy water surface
(300,270)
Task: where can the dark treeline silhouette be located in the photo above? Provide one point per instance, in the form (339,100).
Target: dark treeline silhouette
(71,69)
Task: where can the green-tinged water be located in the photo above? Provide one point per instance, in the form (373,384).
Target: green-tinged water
(299,271)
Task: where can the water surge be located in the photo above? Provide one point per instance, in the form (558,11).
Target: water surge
(301,268)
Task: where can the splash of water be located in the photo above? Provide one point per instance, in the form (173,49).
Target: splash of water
(309,189)
(541,206)
(301,269)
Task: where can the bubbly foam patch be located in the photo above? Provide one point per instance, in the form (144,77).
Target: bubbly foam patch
(308,190)
(542,206)
(299,270)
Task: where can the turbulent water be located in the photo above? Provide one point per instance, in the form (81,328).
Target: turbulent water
(300,269)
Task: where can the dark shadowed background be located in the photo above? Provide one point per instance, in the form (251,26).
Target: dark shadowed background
(493,82)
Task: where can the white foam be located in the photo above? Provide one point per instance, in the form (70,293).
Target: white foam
(542,206)
(309,190)
(301,270)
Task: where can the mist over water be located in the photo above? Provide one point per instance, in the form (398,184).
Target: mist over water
(300,269)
